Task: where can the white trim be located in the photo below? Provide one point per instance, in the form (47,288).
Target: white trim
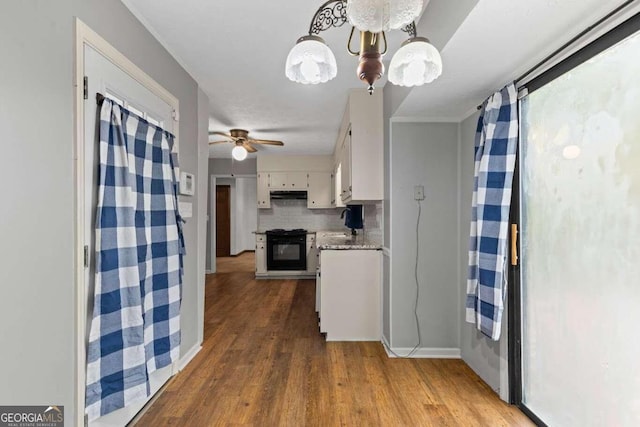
(212,224)
(460,256)
(424,353)
(188,357)
(424,119)
(386,251)
(86,36)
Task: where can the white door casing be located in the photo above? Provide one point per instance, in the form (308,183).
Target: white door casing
(107,72)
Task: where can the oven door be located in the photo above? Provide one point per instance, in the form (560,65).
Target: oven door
(286,253)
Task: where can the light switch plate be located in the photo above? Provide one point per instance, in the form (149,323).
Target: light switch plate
(186,209)
(187,184)
(418,192)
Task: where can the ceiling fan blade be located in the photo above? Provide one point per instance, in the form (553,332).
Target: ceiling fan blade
(220,142)
(249,148)
(266,142)
(226,135)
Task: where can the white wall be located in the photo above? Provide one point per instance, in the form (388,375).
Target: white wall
(424,154)
(247,214)
(37,329)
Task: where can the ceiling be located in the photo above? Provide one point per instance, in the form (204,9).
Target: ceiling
(237,53)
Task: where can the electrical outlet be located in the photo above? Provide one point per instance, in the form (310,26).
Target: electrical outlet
(418,192)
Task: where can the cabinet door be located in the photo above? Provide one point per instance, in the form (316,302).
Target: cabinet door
(297,180)
(337,187)
(319,190)
(350,295)
(264,196)
(261,254)
(345,177)
(333,189)
(312,253)
(278,180)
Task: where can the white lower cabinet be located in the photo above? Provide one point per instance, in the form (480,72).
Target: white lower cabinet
(350,295)
(261,254)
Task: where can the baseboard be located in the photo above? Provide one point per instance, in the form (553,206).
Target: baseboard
(422,353)
(184,360)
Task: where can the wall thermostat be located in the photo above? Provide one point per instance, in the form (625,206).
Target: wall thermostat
(187,184)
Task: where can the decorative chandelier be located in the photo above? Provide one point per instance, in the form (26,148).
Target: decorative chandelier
(417,62)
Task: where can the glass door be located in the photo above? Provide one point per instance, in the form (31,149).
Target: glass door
(580,242)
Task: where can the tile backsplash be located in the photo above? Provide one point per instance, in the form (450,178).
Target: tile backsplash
(289,214)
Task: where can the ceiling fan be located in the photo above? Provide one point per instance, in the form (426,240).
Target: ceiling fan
(243,143)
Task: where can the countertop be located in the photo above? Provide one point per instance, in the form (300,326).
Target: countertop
(331,240)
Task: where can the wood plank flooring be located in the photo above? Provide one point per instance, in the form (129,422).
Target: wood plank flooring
(264,363)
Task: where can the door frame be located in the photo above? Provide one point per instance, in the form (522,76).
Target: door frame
(212,214)
(85,36)
(614,35)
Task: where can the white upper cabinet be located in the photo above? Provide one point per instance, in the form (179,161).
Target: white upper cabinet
(312,174)
(359,149)
(345,170)
(288,181)
(264,194)
(319,190)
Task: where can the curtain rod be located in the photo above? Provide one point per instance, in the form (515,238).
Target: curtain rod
(583,33)
(100,98)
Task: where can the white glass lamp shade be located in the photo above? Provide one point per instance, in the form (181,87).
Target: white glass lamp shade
(311,61)
(416,63)
(239,152)
(382,15)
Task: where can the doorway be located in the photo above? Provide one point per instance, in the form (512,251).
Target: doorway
(579,209)
(106,71)
(223,220)
(243,217)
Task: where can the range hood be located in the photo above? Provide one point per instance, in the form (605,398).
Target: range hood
(289,195)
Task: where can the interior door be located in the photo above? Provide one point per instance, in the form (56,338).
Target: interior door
(580,229)
(223,220)
(105,77)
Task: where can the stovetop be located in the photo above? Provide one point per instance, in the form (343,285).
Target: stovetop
(283,232)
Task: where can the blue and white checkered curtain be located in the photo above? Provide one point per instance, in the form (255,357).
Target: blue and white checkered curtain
(135,328)
(495,158)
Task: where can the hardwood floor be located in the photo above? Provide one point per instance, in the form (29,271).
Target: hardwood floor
(264,363)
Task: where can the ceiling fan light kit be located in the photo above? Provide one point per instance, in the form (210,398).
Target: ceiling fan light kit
(243,143)
(417,62)
(239,152)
